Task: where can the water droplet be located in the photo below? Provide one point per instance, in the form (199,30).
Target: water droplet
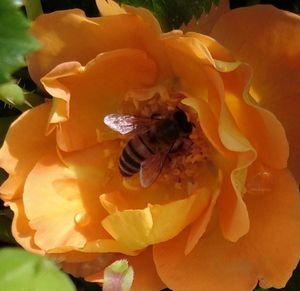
(260,182)
(82,218)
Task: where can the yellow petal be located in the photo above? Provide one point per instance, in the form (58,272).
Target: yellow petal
(109,7)
(140,228)
(267,39)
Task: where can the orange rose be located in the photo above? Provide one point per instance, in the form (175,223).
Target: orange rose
(224,211)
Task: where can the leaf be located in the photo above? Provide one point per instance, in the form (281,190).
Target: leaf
(174,13)
(15,40)
(22,271)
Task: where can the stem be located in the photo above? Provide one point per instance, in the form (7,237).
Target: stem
(33,8)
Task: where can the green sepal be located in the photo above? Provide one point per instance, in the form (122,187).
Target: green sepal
(14,96)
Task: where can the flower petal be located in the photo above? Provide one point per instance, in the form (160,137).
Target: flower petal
(140,228)
(274,55)
(199,226)
(21,230)
(55,32)
(212,265)
(83,96)
(61,195)
(275,220)
(260,126)
(25,143)
(237,152)
(145,274)
(109,7)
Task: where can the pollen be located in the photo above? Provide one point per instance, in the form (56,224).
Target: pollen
(184,167)
(130,185)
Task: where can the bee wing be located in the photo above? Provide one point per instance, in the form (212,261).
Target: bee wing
(126,123)
(151,168)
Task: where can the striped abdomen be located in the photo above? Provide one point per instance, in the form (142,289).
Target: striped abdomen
(135,152)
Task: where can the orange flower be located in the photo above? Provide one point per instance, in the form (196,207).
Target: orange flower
(224,211)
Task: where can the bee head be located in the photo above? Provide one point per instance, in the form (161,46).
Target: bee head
(182,121)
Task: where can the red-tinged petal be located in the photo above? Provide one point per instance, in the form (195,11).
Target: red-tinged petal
(269,252)
(61,198)
(145,274)
(267,39)
(55,32)
(139,228)
(25,143)
(84,95)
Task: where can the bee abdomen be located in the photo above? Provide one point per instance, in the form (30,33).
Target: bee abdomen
(134,153)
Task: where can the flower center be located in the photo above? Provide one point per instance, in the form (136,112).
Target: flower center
(172,150)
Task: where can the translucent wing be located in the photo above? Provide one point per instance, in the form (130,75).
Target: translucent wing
(126,123)
(151,168)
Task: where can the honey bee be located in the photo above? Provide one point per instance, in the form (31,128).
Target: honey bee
(154,139)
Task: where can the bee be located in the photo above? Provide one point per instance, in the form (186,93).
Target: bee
(154,139)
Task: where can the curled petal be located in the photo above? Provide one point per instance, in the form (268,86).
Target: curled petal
(55,32)
(264,131)
(84,95)
(65,208)
(21,229)
(274,55)
(22,148)
(140,228)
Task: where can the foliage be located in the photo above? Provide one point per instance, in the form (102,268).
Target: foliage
(22,271)
(173,13)
(15,41)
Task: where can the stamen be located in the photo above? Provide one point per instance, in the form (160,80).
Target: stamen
(184,166)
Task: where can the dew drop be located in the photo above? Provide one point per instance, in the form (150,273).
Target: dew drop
(82,218)
(260,182)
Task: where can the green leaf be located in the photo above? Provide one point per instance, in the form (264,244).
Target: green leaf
(22,271)
(15,40)
(173,13)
